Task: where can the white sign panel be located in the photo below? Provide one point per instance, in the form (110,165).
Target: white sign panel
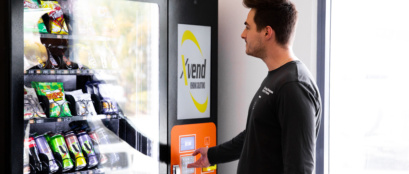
(193,98)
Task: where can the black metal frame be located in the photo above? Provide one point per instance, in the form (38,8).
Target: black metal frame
(323,50)
(192,12)
(12,78)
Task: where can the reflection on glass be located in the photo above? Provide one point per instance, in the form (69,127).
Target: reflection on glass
(369,117)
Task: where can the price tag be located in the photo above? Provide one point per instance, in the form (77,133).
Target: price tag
(59,120)
(78,71)
(31,121)
(66,119)
(65,72)
(108,116)
(31,72)
(38,71)
(46,72)
(40,121)
(73,71)
(84,118)
(52,71)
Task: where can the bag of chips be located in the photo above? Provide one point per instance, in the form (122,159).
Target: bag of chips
(83,103)
(54,91)
(57,23)
(104,93)
(30,4)
(109,105)
(32,107)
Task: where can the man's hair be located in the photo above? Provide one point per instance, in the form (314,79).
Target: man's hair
(280,15)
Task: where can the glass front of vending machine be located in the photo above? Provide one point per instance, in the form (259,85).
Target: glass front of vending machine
(92,86)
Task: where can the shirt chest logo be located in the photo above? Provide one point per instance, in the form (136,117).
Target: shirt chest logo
(267,91)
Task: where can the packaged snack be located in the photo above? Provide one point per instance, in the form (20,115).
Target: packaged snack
(57,23)
(30,4)
(83,103)
(54,91)
(73,93)
(32,107)
(104,92)
(109,105)
(41,26)
(35,54)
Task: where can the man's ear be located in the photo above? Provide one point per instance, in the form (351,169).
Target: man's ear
(269,33)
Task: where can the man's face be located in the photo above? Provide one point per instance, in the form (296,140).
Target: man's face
(253,38)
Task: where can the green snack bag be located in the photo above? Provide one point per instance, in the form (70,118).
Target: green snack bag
(54,91)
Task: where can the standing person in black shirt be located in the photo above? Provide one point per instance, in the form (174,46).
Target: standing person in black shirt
(285,113)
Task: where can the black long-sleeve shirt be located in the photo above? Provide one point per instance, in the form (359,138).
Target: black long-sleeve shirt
(282,126)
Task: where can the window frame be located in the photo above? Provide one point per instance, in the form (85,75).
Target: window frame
(323,74)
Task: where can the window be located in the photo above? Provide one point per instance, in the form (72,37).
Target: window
(369,87)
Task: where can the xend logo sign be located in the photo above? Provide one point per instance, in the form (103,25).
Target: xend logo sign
(194,70)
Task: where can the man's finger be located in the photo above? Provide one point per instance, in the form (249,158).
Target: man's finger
(197,151)
(193,165)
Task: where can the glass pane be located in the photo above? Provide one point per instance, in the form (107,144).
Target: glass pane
(369,117)
(91,67)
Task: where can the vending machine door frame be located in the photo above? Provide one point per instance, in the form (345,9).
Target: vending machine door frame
(12,78)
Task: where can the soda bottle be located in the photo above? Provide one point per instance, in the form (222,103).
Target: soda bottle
(95,140)
(87,146)
(58,145)
(75,148)
(44,148)
(48,136)
(33,152)
(104,139)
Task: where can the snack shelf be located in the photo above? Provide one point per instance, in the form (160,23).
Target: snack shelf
(92,171)
(73,37)
(88,72)
(69,119)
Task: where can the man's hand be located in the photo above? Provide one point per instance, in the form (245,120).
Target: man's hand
(202,161)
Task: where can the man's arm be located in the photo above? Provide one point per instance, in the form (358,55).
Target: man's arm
(228,151)
(297,112)
(225,152)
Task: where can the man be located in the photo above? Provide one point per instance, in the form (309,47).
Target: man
(284,115)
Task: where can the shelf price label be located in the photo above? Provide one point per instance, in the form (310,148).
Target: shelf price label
(66,119)
(40,121)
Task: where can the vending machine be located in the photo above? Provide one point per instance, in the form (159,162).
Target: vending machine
(100,86)
(192,82)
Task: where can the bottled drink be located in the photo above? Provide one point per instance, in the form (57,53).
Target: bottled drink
(33,152)
(87,146)
(58,145)
(95,140)
(44,148)
(104,139)
(75,148)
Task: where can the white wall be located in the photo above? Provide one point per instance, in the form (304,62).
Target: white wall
(240,75)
